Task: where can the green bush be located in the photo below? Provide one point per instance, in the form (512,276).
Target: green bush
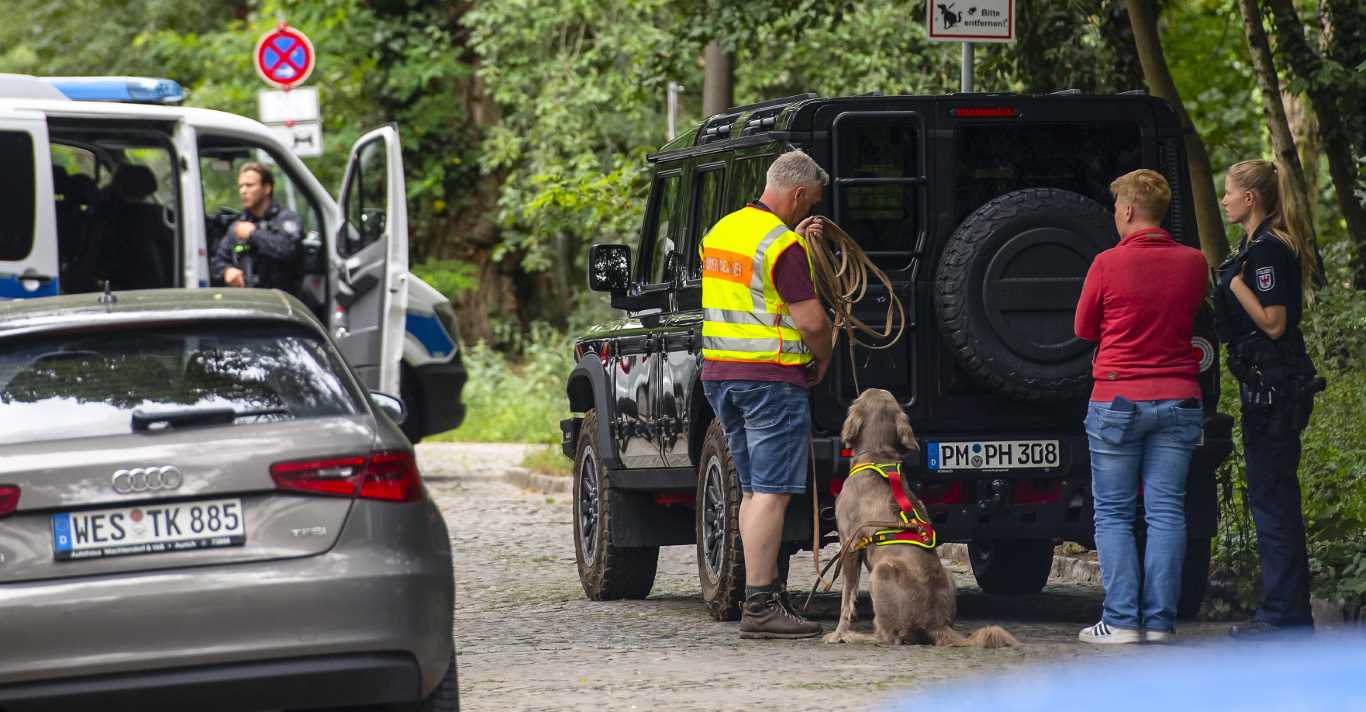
(516,400)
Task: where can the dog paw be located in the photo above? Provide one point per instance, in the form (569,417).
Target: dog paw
(836,637)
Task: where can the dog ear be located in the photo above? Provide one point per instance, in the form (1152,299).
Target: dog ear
(904,433)
(853,423)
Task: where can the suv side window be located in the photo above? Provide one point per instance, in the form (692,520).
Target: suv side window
(659,238)
(747,183)
(877,163)
(708,183)
(17,195)
(1082,158)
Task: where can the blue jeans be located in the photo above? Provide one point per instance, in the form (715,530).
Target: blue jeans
(768,429)
(1152,443)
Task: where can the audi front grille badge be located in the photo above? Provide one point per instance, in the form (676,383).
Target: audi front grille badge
(147,479)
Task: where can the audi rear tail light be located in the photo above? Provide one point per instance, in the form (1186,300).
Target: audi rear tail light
(9,499)
(392,477)
(387,476)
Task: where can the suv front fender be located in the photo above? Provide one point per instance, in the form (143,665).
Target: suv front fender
(587,387)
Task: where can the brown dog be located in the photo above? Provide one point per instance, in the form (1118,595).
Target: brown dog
(914,598)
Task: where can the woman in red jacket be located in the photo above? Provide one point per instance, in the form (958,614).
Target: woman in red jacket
(1138,304)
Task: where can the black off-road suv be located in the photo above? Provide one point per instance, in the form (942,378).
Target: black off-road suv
(986,211)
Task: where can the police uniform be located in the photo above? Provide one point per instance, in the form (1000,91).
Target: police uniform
(270,258)
(1277,382)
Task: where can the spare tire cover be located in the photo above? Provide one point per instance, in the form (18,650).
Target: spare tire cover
(1007,287)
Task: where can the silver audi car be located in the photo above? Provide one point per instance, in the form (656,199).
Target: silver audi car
(200,508)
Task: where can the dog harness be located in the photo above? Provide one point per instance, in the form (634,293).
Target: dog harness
(916,528)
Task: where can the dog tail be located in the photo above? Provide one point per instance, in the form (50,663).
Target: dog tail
(988,637)
(992,636)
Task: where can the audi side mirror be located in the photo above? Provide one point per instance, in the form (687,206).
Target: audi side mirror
(392,407)
(609,268)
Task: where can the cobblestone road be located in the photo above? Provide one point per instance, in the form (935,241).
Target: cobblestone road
(528,639)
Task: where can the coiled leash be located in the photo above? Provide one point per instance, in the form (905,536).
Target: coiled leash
(841,277)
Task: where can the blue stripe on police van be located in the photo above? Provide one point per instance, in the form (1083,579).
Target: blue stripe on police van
(10,288)
(428,332)
(932,456)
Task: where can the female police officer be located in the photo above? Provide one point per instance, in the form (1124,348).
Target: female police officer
(1259,301)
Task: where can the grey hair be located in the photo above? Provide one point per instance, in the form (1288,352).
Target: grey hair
(795,169)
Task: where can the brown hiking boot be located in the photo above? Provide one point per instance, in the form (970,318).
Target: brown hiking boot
(764,616)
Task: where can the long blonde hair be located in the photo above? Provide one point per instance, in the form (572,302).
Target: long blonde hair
(1270,182)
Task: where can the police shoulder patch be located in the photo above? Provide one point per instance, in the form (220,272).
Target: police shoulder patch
(290,226)
(1266,278)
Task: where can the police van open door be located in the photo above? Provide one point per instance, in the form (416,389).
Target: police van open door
(371,298)
(28,261)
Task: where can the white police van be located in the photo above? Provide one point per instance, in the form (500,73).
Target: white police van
(114,188)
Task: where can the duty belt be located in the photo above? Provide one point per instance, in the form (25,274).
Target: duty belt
(916,527)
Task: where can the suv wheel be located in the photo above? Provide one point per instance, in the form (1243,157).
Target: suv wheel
(607,572)
(720,557)
(1020,342)
(1011,566)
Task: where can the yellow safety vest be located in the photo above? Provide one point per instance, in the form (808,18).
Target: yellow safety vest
(744,318)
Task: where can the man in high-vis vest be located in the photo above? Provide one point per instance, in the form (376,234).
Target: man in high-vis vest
(765,341)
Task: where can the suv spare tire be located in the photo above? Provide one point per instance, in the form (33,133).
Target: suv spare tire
(1007,286)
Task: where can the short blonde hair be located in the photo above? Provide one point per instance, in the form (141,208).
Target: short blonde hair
(1146,190)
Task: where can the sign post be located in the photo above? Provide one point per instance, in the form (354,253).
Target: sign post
(970,21)
(284,59)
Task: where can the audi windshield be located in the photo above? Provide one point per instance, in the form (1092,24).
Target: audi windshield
(54,387)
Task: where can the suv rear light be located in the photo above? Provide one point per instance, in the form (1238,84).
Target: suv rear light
(387,476)
(9,499)
(983,112)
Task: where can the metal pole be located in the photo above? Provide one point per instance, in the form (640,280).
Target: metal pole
(674,88)
(967,71)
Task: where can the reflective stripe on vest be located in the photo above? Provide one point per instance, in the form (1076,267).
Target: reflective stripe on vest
(744,318)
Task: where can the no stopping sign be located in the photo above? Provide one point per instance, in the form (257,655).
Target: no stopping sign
(284,57)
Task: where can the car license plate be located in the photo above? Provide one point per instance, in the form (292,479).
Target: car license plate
(994,455)
(148,529)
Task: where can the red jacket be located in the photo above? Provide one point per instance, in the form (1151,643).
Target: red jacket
(1139,303)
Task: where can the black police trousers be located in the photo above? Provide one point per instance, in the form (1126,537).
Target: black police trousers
(1273,493)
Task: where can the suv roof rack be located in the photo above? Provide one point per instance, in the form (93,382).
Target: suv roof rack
(762,117)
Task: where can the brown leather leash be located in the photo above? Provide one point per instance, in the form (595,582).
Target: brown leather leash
(854,544)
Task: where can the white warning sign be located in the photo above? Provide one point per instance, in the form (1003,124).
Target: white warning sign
(972,20)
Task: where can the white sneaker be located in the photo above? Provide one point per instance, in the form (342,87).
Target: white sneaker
(1158,636)
(1103,634)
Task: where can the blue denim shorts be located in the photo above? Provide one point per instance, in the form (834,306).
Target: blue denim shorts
(768,429)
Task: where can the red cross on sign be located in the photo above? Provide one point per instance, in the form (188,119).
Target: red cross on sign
(284,57)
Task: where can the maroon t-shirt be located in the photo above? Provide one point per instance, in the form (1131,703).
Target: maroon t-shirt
(792,279)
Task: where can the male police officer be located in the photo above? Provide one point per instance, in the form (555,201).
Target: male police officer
(261,248)
(765,341)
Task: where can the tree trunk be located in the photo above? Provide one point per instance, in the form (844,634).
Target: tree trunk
(1308,65)
(1305,130)
(1282,141)
(718,80)
(1213,240)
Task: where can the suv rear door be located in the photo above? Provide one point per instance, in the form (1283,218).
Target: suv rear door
(372,288)
(28,248)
